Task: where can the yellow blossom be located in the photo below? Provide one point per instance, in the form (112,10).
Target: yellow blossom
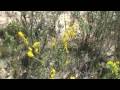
(36,47)
(36,50)
(52,73)
(20,34)
(30,54)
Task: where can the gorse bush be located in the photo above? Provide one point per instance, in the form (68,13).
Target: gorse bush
(39,46)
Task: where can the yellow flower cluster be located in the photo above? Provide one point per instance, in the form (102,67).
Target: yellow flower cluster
(36,47)
(69,34)
(22,36)
(30,54)
(52,72)
(114,66)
